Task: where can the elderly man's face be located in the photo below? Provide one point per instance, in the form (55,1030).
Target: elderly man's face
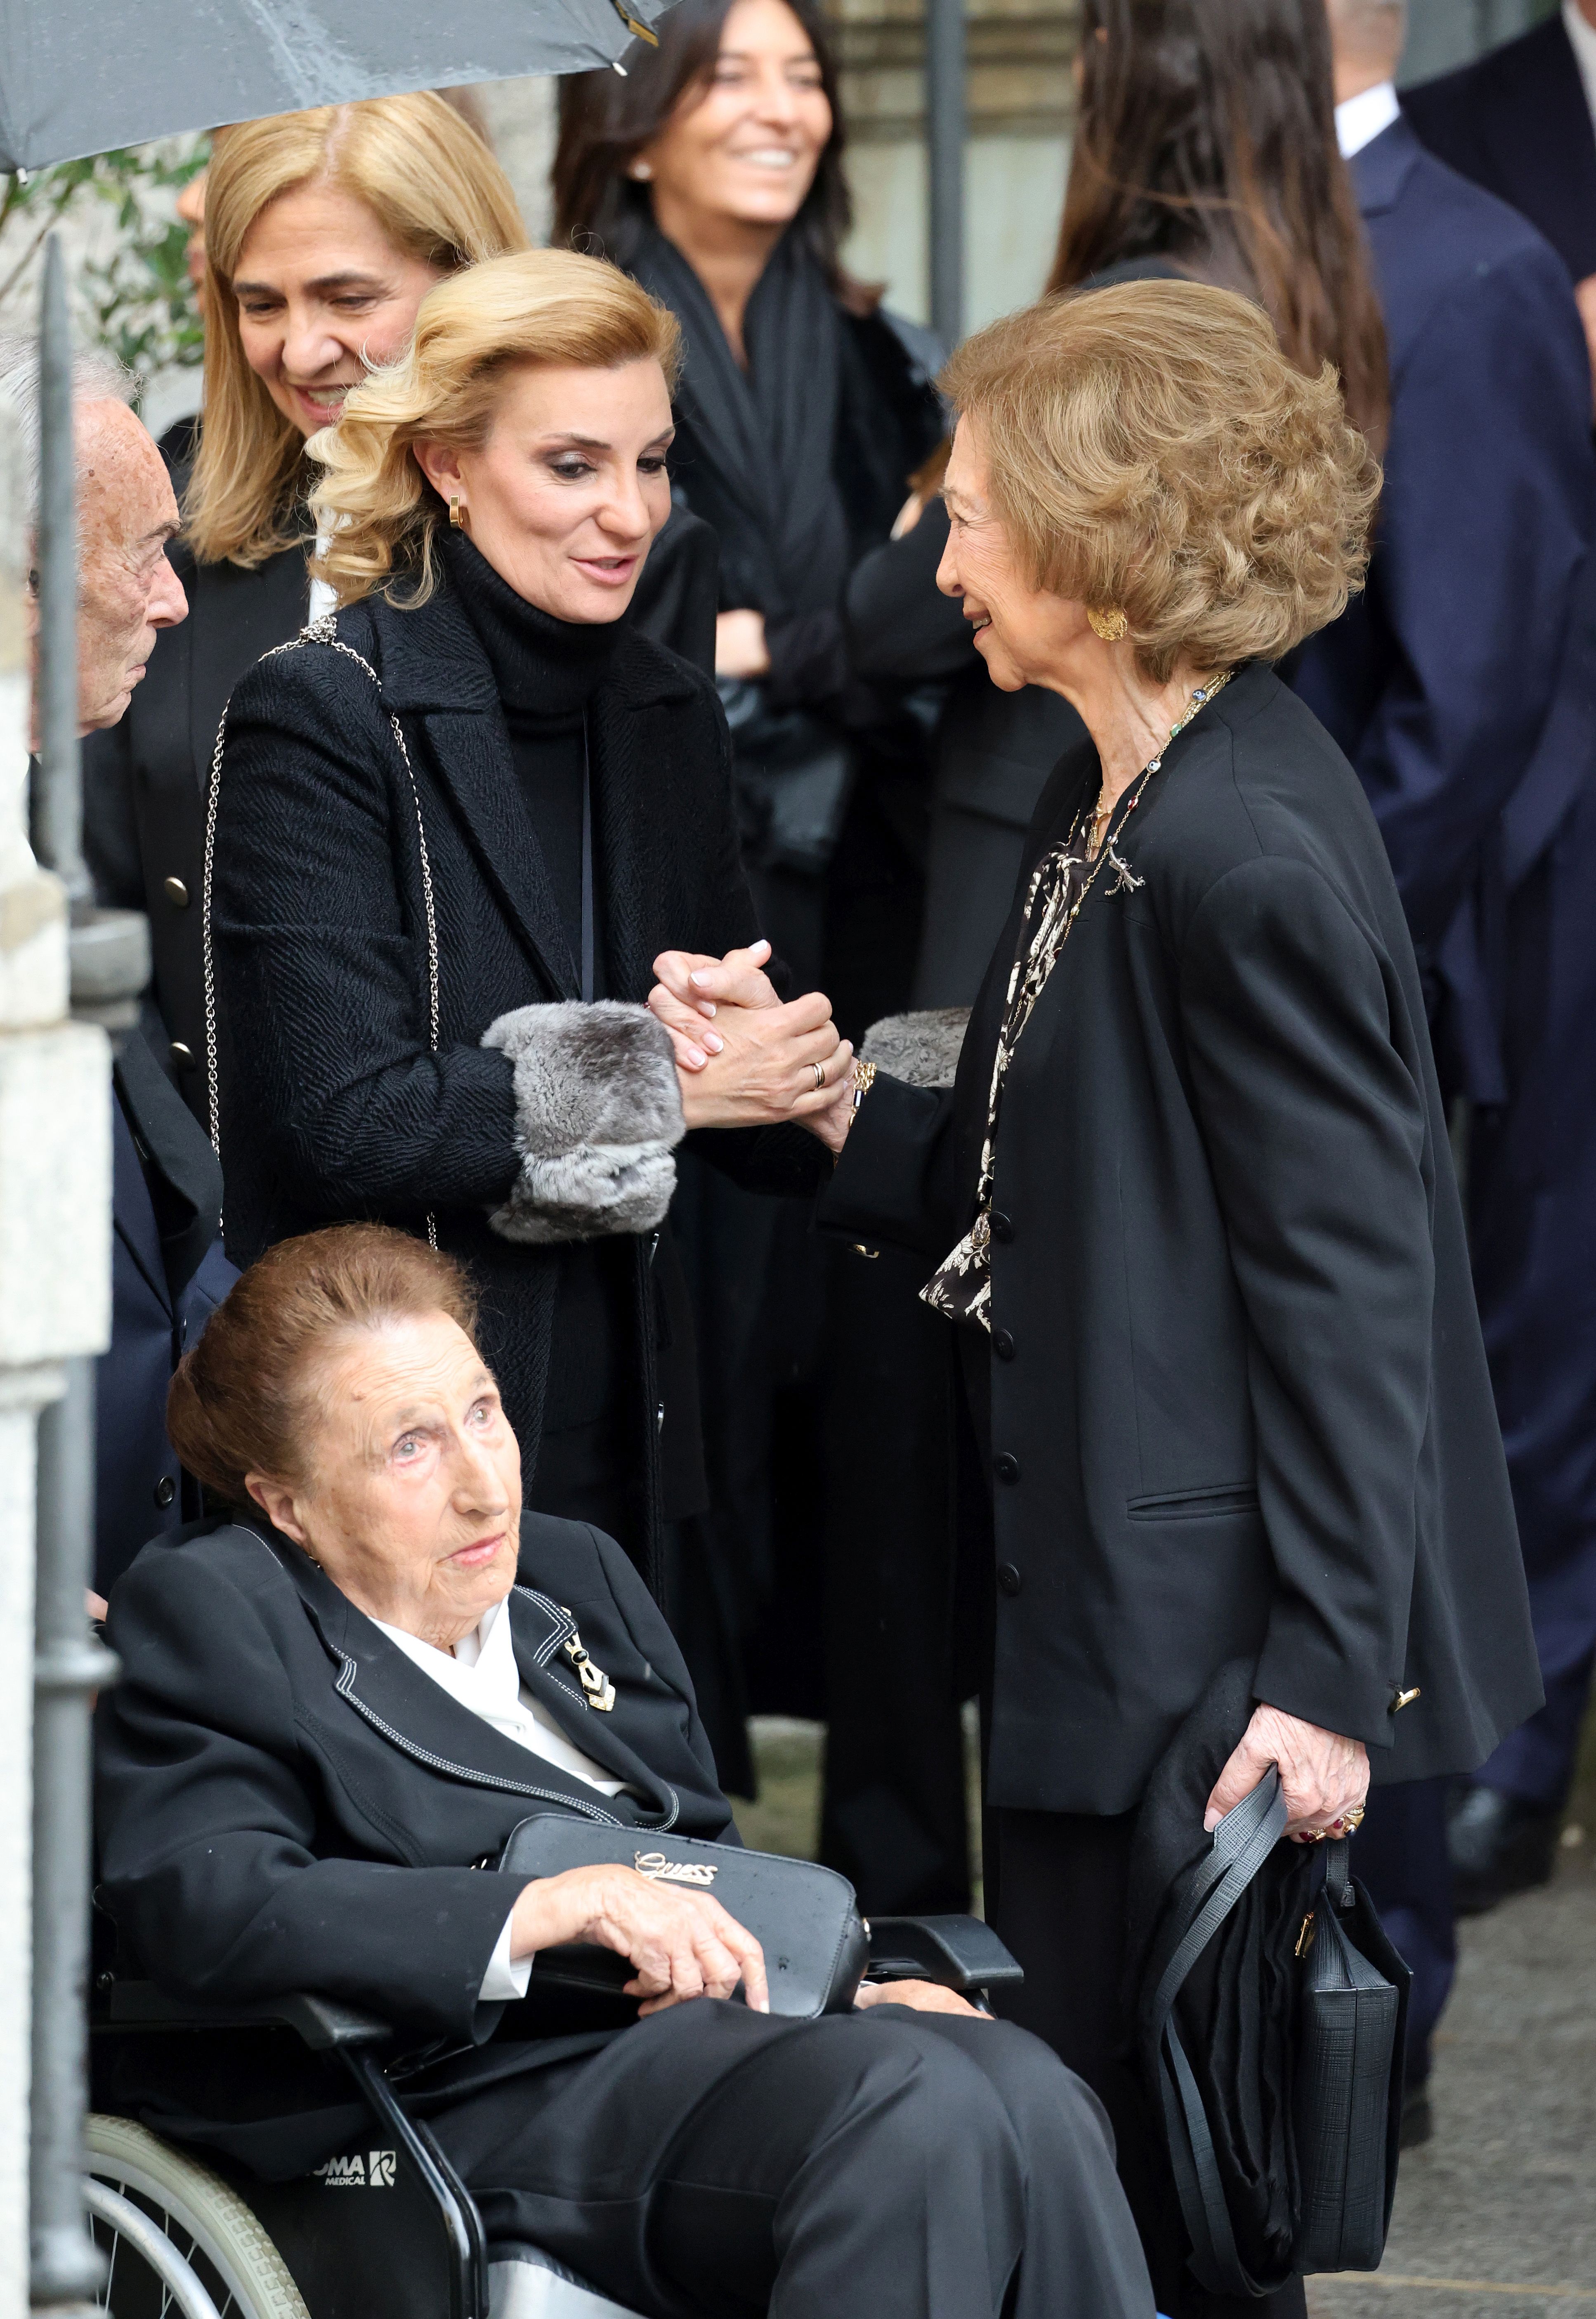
(127,517)
(1022,632)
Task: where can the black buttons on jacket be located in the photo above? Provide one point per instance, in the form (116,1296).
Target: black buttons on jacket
(165,1490)
(181,1053)
(1002,1344)
(1006,1465)
(1002,1227)
(1009,1581)
(177,893)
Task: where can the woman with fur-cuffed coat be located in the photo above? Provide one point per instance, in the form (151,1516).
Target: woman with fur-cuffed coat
(454,826)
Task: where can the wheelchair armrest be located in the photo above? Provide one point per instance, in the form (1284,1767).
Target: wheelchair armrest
(958,1953)
(323,2025)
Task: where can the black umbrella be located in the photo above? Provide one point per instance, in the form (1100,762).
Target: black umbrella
(78,77)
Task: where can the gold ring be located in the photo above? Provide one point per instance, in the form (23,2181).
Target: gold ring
(1354,1818)
(819,1071)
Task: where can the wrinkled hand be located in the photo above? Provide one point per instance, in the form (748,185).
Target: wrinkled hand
(684,1945)
(1323,1777)
(923,1996)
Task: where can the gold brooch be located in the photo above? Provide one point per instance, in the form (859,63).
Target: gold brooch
(597,1690)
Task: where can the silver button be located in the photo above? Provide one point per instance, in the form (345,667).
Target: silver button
(177,893)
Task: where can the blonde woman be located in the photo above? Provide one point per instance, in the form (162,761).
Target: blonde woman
(323,232)
(453,834)
(1190,1205)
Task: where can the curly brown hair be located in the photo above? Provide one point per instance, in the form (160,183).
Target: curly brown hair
(1148,446)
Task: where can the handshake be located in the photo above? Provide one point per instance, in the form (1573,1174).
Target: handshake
(743,1058)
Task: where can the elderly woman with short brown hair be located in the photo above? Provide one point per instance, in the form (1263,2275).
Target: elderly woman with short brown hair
(334,1710)
(1189,1201)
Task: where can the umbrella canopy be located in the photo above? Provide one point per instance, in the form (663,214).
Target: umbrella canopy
(79,76)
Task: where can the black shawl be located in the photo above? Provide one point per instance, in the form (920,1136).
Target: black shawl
(756,450)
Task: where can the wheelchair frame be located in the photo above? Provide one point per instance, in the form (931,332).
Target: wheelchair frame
(960,1952)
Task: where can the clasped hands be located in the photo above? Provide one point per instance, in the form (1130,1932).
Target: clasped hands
(744,1057)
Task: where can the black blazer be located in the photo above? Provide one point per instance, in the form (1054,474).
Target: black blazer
(1516,121)
(1240,1403)
(285,1801)
(332,1105)
(145,781)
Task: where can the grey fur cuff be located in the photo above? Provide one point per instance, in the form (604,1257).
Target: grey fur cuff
(922,1050)
(597,1111)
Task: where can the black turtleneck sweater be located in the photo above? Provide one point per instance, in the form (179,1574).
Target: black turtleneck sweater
(546,670)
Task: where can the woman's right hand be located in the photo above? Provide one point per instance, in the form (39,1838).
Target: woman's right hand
(764,1073)
(684,1945)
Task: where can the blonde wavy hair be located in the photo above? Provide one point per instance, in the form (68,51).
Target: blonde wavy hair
(1149,446)
(541,306)
(439,193)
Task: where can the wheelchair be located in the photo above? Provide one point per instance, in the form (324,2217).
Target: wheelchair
(385,2229)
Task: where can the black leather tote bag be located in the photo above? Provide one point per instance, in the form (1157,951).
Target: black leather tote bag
(805,1917)
(1353,2036)
(1269,2019)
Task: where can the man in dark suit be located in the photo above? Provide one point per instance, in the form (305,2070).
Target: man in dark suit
(1519,121)
(166,1272)
(1438,680)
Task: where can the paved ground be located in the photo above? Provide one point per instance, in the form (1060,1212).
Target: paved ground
(1496,2216)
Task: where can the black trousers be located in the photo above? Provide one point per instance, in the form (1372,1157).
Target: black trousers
(713,2164)
(1056,1894)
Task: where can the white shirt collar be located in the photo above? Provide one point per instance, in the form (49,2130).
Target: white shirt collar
(481,1673)
(1364,117)
(1581,39)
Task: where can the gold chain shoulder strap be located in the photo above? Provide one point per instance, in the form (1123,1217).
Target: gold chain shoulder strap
(318,632)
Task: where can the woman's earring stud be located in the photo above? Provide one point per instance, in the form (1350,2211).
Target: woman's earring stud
(642,171)
(457,513)
(1112,624)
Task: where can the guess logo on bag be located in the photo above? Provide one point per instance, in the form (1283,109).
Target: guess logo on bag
(674,1871)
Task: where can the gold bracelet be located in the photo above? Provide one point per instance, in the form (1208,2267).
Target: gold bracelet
(864,1078)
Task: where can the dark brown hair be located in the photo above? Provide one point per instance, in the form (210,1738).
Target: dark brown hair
(239,1400)
(605,121)
(1207,136)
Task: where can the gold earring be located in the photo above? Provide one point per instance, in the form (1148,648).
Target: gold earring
(1113,625)
(457,514)
(642,171)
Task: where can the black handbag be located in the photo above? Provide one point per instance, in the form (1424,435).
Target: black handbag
(1342,2050)
(1349,2094)
(804,1917)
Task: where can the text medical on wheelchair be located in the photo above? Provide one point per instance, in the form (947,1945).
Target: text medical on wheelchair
(332,1716)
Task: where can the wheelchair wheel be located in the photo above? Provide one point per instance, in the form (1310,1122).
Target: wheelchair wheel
(177,2241)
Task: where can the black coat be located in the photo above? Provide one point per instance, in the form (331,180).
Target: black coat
(145,781)
(285,1801)
(1516,121)
(331,1107)
(1240,1403)
(168,1276)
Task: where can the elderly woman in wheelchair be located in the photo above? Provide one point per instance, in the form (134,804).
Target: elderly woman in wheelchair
(333,1711)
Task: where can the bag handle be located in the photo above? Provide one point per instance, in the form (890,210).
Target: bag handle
(317,632)
(1243,1841)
